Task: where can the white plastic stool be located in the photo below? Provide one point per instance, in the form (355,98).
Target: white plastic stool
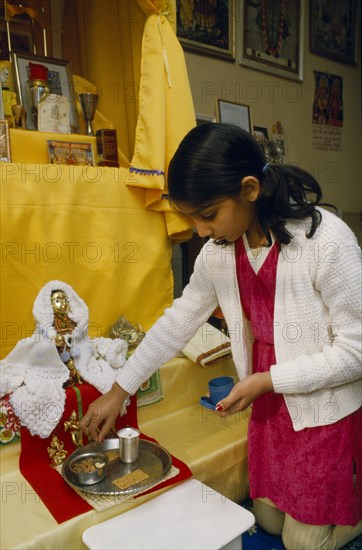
(190,516)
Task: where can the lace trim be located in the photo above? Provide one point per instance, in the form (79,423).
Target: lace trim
(146,172)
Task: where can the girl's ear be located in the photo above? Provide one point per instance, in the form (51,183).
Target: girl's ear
(250,188)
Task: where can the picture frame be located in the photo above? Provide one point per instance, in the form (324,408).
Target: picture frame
(333,30)
(21,37)
(234,113)
(271,39)
(5,152)
(210,32)
(261,133)
(70,152)
(278,149)
(202,119)
(60,83)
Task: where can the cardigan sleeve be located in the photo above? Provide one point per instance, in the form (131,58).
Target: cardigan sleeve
(173,330)
(337,279)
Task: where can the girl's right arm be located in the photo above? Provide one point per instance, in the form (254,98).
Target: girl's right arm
(166,337)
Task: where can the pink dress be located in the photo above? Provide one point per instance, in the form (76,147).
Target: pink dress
(314,474)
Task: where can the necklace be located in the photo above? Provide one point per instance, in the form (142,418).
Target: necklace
(257,245)
(272,46)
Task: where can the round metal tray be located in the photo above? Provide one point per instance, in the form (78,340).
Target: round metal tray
(153,459)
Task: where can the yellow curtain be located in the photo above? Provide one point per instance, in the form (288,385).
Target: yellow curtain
(83,226)
(131,53)
(110,37)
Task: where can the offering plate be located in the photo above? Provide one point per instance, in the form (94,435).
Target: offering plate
(153,460)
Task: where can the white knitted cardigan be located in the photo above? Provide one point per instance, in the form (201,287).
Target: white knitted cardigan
(34,374)
(317,321)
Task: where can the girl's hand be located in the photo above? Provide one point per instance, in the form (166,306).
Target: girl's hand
(102,413)
(244,393)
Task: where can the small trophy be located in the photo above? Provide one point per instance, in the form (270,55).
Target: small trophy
(89,104)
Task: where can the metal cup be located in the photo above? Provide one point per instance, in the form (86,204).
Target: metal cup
(88,103)
(128,444)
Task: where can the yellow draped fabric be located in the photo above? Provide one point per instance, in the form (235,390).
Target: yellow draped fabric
(84,226)
(32,147)
(131,53)
(161,118)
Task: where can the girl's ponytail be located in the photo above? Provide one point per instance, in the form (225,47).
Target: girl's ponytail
(287,192)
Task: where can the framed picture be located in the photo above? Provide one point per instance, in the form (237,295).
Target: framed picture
(261,133)
(60,83)
(207,27)
(271,37)
(202,119)
(333,30)
(234,113)
(21,37)
(70,152)
(5,155)
(278,149)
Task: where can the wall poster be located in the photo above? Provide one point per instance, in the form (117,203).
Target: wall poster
(327,111)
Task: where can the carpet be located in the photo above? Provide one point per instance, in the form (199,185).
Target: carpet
(258,539)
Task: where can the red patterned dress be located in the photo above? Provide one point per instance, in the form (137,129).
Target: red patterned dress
(314,474)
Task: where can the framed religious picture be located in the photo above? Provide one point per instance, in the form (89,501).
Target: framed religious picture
(271,36)
(5,155)
(70,152)
(207,27)
(333,30)
(234,113)
(59,82)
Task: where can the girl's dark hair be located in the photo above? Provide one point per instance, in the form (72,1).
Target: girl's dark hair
(211,162)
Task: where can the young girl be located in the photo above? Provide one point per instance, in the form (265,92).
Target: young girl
(287,276)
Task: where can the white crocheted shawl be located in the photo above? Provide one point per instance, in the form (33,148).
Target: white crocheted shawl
(34,374)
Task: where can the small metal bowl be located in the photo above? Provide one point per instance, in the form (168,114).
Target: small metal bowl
(100,461)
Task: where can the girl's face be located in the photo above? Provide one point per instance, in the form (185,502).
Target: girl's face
(227,219)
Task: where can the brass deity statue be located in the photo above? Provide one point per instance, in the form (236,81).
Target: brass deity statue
(57,452)
(73,426)
(64,327)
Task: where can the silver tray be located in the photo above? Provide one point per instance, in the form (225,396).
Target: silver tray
(153,459)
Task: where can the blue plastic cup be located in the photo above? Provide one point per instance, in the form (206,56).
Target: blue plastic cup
(219,388)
